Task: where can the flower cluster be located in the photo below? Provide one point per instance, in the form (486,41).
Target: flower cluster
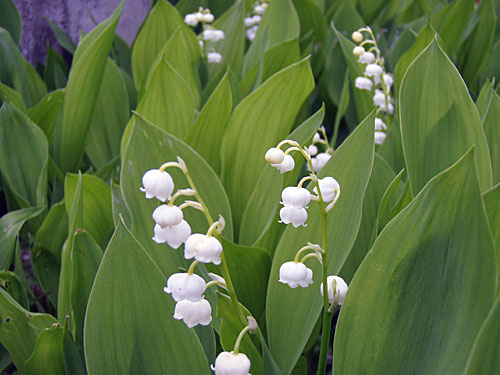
(209,34)
(319,159)
(253,19)
(375,78)
(187,289)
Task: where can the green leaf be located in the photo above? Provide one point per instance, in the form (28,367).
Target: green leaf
(45,114)
(160,24)
(483,100)
(168,101)
(23,157)
(17,73)
(11,95)
(279,23)
(416,281)
(62,38)
(56,70)
(492,205)
(210,124)
(492,130)
(84,82)
(385,214)
(269,112)
(10,19)
(289,324)
(48,356)
(72,360)
(111,113)
(53,231)
(484,357)
(136,327)
(148,148)
(14,286)
(10,225)
(439,121)
(19,329)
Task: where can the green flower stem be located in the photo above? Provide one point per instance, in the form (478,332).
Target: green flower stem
(238,340)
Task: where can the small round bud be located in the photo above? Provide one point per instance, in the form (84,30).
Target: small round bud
(274,155)
(357,36)
(358,50)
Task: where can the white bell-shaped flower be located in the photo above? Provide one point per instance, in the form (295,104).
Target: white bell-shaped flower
(320,161)
(191,20)
(293,196)
(379,98)
(388,80)
(274,155)
(329,188)
(366,58)
(295,274)
(379,138)
(193,313)
(363,83)
(203,248)
(373,70)
(214,57)
(157,184)
(208,18)
(199,16)
(313,150)
(251,32)
(228,363)
(294,215)
(259,9)
(286,165)
(380,125)
(174,235)
(341,287)
(248,21)
(358,51)
(185,286)
(166,215)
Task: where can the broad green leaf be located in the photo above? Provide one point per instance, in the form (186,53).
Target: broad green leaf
(14,286)
(122,54)
(392,149)
(210,124)
(11,95)
(492,130)
(62,37)
(342,108)
(111,113)
(120,209)
(53,231)
(56,70)
(477,48)
(148,148)
(48,356)
(402,44)
(10,225)
(10,19)
(380,10)
(136,328)
(483,100)
(290,324)
(97,214)
(168,101)
(492,205)
(394,191)
(249,268)
(262,207)
(269,112)
(19,329)
(46,112)
(484,357)
(160,24)
(47,268)
(17,73)
(279,23)
(439,121)
(416,282)
(72,360)
(84,82)
(381,176)
(23,157)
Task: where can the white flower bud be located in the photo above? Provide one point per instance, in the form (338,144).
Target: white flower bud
(218,35)
(379,138)
(228,363)
(165,215)
(329,188)
(203,248)
(157,184)
(380,125)
(193,313)
(286,165)
(191,20)
(259,9)
(174,235)
(379,98)
(366,58)
(313,150)
(248,21)
(320,161)
(373,70)
(199,16)
(340,290)
(295,274)
(256,19)
(388,80)
(357,36)
(185,286)
(208,18)
(201,43)
(214,57)
(358,51)
(208,35)
(251,32)
(363,83)
(294,215)
(295,197)
(274,155)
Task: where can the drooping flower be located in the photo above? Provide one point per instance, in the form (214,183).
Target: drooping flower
(363,83)
(366,58)
(185,286)
(316,138)
(157,184)
(166,215)
(388,81)
(193,313)
(274,155)
(320,161)
(313,150)
(208,18)
(379,137)
(373,70)
(203,248)
(229,363)
(173,235)
(286,165)
(380,125)
(251,32)
(337,296)
(295,274)
(294,215)
(191,20)
(293,196)
(329,188)
(212,35)
(214,57)
(358,51)
(379,98)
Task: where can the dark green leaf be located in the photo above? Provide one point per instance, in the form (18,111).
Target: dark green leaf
(48,356)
